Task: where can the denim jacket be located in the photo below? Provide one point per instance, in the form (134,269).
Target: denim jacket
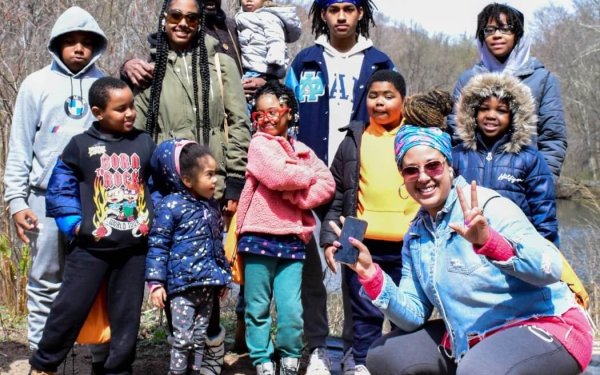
(474,294)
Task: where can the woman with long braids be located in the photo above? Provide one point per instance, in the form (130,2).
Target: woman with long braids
(188,98)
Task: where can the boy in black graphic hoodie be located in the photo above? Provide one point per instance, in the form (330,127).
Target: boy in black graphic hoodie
(98,194)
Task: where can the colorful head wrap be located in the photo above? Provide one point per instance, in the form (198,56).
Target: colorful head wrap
(326,3)
(410,136)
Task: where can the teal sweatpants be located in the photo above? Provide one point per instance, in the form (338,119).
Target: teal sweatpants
(268,278)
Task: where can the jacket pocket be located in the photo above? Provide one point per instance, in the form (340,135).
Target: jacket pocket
(466,265)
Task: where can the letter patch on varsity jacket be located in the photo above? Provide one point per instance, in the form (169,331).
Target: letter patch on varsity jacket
(311,86)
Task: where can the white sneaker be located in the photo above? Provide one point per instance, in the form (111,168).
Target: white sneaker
(318,362)
(347,363)
(267,368)
(288,366)
(362,370)
(214,354)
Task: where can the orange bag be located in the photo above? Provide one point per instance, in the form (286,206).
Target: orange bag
(231,253)
(96,329)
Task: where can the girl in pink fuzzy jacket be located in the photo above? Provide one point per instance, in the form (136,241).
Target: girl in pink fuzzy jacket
(284,181)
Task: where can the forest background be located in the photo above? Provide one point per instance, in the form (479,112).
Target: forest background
(567,42)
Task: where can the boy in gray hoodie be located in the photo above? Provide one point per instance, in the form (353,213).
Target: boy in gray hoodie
(51,108)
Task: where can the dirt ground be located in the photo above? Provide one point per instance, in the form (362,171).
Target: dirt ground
(152,355)
(151,359)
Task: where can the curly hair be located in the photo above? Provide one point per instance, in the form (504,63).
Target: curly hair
(514,18)
(189,157)
(319,27)
(391,76)
(99,94)
(199,62)
(283,93)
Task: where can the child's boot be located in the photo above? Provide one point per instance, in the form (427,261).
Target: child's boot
(267,368)
(214,354)
(288,366)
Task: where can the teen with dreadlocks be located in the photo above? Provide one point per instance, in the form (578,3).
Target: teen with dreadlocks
(330,80)
(186,100)
(504,48)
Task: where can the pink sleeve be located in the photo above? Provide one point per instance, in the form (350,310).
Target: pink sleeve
(272,166)
(496,247)
(319,192)
(374,284)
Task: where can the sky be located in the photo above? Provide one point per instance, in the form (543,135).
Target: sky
(454,17)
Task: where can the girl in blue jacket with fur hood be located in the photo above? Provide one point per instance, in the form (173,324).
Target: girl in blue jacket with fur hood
(496,124)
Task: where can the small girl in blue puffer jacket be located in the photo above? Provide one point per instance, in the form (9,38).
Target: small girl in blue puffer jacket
(186,260)
(496,123)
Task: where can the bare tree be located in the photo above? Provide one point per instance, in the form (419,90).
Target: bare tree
(569,44)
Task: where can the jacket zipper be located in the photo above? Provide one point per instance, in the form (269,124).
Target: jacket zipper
(357,141)
(487,181)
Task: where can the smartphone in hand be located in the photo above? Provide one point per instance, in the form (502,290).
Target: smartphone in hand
(353,227)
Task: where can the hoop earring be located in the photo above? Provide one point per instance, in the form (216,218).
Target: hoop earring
(400,192)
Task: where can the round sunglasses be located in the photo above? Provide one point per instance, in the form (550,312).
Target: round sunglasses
(174,17)
(271,114)
(432,168)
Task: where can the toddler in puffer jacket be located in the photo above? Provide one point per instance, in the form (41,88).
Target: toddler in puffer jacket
(496,123)
(263,30)
(186,260)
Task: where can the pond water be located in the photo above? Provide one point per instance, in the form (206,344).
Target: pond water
(580,236)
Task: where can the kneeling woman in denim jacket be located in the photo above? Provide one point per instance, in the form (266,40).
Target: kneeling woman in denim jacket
(475,257)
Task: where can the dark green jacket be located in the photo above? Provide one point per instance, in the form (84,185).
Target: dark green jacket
(177,119)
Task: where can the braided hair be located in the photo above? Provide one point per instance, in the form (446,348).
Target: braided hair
(319,27)
(199,61)
(428,109)
(514,18)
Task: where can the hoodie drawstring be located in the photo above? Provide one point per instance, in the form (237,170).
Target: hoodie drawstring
(80,87)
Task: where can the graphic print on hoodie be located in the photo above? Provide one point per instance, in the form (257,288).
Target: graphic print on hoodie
(104,178)
(119,195)
(50,109)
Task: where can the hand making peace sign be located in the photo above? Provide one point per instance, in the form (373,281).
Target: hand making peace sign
(475,228)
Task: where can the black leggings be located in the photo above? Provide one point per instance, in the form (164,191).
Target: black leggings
(515,351)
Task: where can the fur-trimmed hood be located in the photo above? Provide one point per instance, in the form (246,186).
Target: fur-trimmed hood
(521,103)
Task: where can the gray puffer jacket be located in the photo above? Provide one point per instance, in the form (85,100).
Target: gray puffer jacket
(263,35)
